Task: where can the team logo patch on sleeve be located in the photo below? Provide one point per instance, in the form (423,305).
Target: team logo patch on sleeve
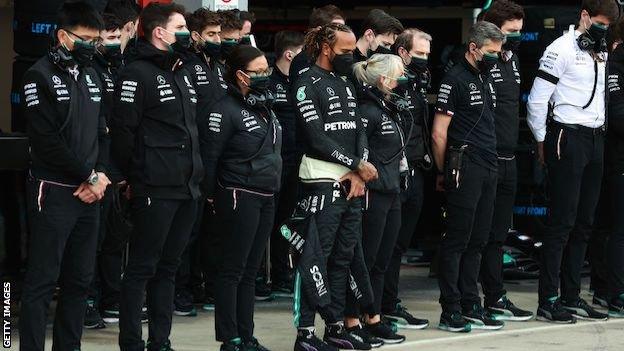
(301,95)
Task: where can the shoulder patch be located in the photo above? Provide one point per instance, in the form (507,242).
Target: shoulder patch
(301,95)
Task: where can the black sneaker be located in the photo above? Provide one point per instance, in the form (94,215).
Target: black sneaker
(454,322)
(405,320)
(110,314)
(582,310)
(374,341)
(93,320)
(337,335)
(209,304)
(233,345)
(479,318)
(505,310)
(164,347)
(552,311)
(263,291)
(183,305)
(282,289)
(600,300)
(307,341)
(616,307)
(387,321)
(385,333)
(253,345)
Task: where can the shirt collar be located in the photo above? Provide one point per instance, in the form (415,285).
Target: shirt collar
(470,67)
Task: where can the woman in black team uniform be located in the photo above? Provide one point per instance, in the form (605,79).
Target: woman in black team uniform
(242,140)
(377,78)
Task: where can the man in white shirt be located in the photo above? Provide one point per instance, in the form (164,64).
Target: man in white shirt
(571,79)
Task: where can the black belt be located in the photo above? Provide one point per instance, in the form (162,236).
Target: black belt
(583,129)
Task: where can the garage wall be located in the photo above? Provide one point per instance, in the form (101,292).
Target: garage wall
(6,63)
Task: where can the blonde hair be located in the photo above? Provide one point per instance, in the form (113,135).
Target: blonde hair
(379,65)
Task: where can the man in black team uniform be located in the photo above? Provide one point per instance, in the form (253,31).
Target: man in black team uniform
(333,168)
(287,45)
(319,17)
(379,31)
(201,62)
(69,148)
(156,144)
(508,16)
(104,292)
(229,35)
(464,148)
(414,47)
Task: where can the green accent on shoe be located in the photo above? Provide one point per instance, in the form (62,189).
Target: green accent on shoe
(616,314)
(508,259)
(553,299)
(236,341)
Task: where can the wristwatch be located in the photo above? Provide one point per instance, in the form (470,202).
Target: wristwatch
(93,178)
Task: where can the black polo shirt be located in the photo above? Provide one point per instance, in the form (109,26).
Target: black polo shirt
(469,98)
(506,81)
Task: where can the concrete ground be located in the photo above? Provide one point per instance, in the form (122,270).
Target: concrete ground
(275,330)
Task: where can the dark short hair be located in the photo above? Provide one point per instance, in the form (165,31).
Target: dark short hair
(239,58)
(324,15)
(247,16)
(502,11)
(157,15)
(381,23)
(202,18)
(125,10)
(79,13)
(286,40)
(406,39)
(230,20)
(607,8)
(111,22)
(316,37)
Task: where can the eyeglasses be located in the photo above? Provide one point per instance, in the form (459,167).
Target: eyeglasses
(264,73)
(88,42)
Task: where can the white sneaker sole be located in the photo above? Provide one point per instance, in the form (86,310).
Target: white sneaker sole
(455,330)
(500,317)
(477,324)
(111,320)
(544,319)
(401,323)
(392,341)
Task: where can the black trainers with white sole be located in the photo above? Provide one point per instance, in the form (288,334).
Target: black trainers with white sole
(454,322)
(582,310)
(339,337)
(552,311)
(616,307)
(505,310)
(600,300)
(384,332)
(405,320)
(479,318)
(307,341)
(362,332)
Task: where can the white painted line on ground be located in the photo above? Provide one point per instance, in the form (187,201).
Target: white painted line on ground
(476,334)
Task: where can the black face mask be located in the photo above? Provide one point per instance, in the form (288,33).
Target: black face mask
(226,48)
(83,52)
(487,62)
(246,40)
(598,34)
(259,84)
(342,64)
(183,42)
(417,64)
(112,54)
(380,50)
(212,50)
(513,42)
